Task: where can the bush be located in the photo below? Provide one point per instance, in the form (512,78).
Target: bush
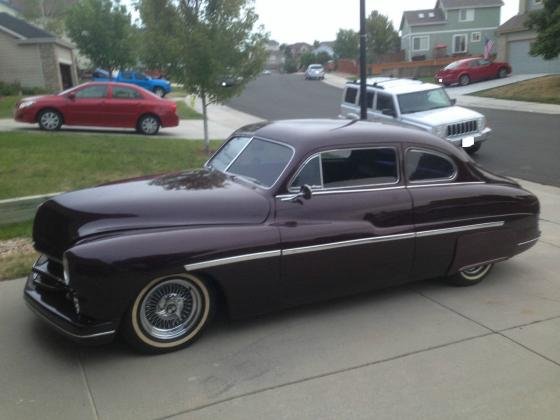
(290,66)
(15,89)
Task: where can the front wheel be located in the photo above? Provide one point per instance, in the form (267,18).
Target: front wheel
(49,120)
(470,276)
(502,73)
(148,125)
(473,149)
(169,313)
(464,80)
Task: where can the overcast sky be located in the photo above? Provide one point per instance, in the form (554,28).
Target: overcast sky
(291,21)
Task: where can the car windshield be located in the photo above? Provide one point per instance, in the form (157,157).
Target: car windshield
(423,101)
(256,160)
(452,66)
(315,67)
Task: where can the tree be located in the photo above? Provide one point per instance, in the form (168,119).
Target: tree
(547,24)
(103,32)
(306,59)
(346,44)
(381,36)
(47,13)
(322,57)
(204,42)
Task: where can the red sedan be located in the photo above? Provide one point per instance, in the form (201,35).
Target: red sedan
(469,70)
(100,104)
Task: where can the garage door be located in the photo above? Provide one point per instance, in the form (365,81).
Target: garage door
(524,63)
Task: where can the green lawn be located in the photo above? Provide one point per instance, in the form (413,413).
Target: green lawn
(7,104)
(185,112)
(544,89)
(40,163)
(16,230)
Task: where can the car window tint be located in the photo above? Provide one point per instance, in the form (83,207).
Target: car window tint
(350,95)
(226,154)
(92,92)
(384,102)
(359,167)
(369,99)
(261,161)
(140,76)
(310,174)
(120,92)
(126,75)
(422,165)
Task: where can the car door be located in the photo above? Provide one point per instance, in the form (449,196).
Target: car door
(87,106)
(355,233)
(142,80)
(474,71)
(384,109)
(486,69)
(124,105)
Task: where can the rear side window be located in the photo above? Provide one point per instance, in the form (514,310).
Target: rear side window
(369,99)
(350,95)
(349,168)
(121,92)
(422,165)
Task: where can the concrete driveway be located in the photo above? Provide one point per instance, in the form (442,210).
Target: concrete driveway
(422,351)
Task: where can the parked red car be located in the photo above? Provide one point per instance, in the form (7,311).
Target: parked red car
(100,104)
(469,70)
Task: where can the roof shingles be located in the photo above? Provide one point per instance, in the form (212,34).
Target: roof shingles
(22,28)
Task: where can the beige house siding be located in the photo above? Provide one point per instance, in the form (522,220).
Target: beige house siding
(20,63)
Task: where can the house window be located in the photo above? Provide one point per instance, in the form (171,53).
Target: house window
(475,36)
(459,43)
(466,15)
(431,14)
(420,43)
(420,15)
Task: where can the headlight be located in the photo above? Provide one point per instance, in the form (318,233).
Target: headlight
(440,131)
(65,270)
(481,123)
(26,104)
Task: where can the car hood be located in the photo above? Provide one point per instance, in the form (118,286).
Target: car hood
(436,117)
(203,197)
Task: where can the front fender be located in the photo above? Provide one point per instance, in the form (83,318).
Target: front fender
(108,272)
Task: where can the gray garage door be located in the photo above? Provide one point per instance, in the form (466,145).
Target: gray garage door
(524,63)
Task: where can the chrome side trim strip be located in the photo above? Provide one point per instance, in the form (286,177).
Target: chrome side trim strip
(287,197)
(231,260)
(466,228)
(352,242)
(66,332)
(446,184)
(529,241)
(495,260)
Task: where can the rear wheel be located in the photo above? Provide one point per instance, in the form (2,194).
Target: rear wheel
(49,120)
(470,276)
(159,92)
(169,313)
(148,125)
(464,80)
(502,73)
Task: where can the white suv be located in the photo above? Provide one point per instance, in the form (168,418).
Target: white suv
(413,103)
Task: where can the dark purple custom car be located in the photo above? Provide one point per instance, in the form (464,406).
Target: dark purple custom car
(284,213)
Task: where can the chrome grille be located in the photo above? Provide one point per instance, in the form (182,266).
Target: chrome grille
(464,127)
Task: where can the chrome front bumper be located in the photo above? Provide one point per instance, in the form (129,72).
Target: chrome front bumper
(478,137)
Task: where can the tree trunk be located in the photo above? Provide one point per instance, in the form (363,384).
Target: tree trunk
(205,122)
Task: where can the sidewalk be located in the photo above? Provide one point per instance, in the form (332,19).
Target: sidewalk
(462,94)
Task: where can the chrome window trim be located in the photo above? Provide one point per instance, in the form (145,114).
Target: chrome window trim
(433,152)
(288,197)
(234,259)
(339,244)
(238,153)
(322,188)
(445,184)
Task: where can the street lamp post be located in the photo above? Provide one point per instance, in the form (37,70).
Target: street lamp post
(363,72)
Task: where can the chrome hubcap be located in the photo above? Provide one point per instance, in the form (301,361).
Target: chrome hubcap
(474,273)
(171,309)
(149,125)
(50,120)
(159,92)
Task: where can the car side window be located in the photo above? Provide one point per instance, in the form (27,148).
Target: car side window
(126,75)
(92,92)
(369,99)
(349,168)
(350,95)
(120,92)
(422,165)
(140,76)
(384,101)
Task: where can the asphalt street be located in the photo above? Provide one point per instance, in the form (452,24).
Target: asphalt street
(524,145)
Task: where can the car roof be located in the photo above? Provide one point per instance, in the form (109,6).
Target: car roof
(121,84)
(395,85)
(306,135)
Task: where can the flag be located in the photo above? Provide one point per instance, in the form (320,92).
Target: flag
(488,44)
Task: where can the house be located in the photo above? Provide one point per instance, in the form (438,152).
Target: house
(34,57)
(299,48)
(515,40)
(275,58)
(7,6)
(452,28)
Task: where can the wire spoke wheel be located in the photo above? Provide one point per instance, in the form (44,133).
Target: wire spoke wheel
(476,273)
(171,309)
